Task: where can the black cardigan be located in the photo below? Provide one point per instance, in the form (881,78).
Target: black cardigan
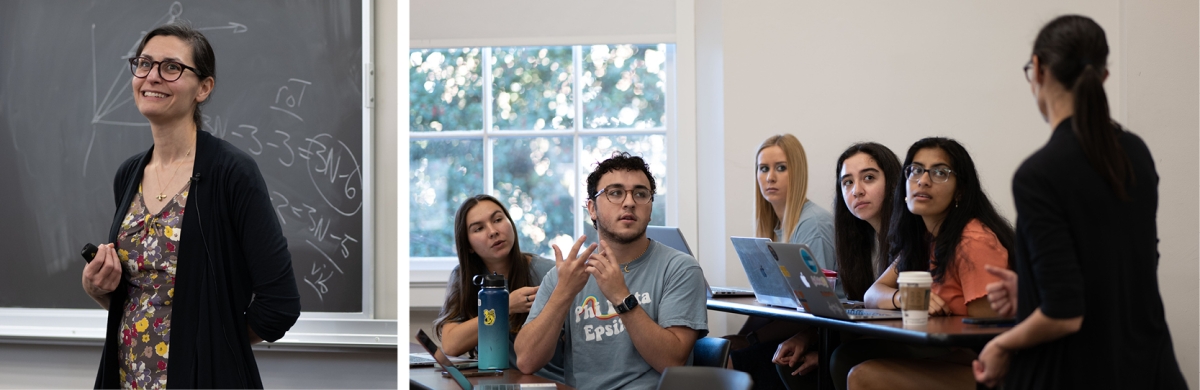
(234,271)
(1081,251)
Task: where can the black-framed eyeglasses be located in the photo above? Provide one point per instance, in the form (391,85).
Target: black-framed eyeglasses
(167,70)
(1025,69)
(937,175)
(617,195)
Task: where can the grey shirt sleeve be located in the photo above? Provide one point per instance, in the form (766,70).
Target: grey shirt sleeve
(684,301)
(815,229)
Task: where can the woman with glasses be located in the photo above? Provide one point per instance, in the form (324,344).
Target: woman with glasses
(486,241)
(783,213)
(196,208)
(866,174)
(945,224)
(1087,245)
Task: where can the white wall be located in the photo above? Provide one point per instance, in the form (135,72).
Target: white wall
(1162,103)
(25,366)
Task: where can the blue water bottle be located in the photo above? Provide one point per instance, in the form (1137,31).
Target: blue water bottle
(493,322)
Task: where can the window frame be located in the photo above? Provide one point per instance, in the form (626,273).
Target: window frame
(434,271)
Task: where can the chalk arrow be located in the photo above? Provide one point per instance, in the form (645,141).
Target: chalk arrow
(236,27)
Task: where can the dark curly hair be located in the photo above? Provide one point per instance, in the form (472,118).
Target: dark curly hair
(620,161)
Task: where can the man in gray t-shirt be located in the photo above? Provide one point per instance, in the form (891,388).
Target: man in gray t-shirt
(630,307)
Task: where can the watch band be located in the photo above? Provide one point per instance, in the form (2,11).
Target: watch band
(627,304)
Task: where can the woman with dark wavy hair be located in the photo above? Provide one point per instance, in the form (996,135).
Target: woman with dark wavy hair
(866,174)
(486,241)
(1087,244)
(945,224)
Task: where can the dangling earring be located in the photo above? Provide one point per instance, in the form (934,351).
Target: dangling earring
(956,203)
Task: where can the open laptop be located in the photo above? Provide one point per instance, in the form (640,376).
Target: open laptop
(458,376)
(766,278)
(423,359)
(671,236)
(667,235)
(802,272)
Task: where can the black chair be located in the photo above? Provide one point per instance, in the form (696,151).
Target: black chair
(692,378)
(710,352)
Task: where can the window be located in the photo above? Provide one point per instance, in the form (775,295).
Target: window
(526,125)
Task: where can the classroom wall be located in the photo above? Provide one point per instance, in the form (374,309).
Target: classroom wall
(74,366)
(834,73)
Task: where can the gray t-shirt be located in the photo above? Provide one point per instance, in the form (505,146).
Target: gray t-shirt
(599,353)
(815,229)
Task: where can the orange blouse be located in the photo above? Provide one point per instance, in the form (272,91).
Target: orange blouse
(968,279)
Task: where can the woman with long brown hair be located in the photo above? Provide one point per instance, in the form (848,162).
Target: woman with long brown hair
(486,242)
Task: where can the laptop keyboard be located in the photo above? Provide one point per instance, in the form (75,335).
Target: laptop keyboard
(420,360)
(866,313)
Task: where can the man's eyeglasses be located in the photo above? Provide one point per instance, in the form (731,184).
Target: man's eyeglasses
(167,70)
(617,195)
(1028,67)
(937,175)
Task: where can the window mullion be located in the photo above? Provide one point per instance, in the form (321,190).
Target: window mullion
(488,186)
(580,190)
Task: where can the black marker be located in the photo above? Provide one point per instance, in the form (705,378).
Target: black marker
(89,252)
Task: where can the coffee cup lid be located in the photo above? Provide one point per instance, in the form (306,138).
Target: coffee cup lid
(920,277)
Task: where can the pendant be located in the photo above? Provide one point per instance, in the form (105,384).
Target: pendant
(160,197)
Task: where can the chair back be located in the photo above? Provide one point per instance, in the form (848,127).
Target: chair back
(710,352)
(693,377)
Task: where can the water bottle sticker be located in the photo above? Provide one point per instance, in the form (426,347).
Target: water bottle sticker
(489,317)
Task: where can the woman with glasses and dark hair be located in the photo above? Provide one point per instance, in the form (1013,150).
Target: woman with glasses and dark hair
(782,213)
(195,207)
(1087,245)
(866,174)
(945,224)
(486,241)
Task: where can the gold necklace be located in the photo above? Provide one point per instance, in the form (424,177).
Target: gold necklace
(163,186)
(626,265)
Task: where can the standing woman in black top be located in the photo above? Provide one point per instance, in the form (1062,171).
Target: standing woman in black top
(196,268)
(1086,286)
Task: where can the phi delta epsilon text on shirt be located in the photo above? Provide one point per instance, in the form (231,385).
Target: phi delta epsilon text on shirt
(609,324)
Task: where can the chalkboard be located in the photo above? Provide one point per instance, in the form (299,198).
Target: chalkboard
(289,92)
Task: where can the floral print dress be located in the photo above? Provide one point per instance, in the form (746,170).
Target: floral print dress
(148,252)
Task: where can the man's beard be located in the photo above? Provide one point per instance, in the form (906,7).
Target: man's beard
(608,235)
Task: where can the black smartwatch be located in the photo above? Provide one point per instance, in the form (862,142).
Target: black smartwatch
(628,304)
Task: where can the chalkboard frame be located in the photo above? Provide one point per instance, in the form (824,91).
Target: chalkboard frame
(314,330)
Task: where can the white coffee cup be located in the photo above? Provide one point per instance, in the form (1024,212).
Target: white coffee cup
(914,296)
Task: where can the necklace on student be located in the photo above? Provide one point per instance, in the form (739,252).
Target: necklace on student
(626,265)
(163,186)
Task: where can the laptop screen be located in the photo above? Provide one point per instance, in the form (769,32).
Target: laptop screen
(666,235)
(441,358)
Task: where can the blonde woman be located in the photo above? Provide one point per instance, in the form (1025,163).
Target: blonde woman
(783,213)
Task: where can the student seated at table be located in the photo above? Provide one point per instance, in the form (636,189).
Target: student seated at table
(944,224)
(782,213)
(630,307)
(866,174)
(486,241)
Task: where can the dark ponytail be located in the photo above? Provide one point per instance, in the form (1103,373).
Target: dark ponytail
(1075,50)
(1096,132)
